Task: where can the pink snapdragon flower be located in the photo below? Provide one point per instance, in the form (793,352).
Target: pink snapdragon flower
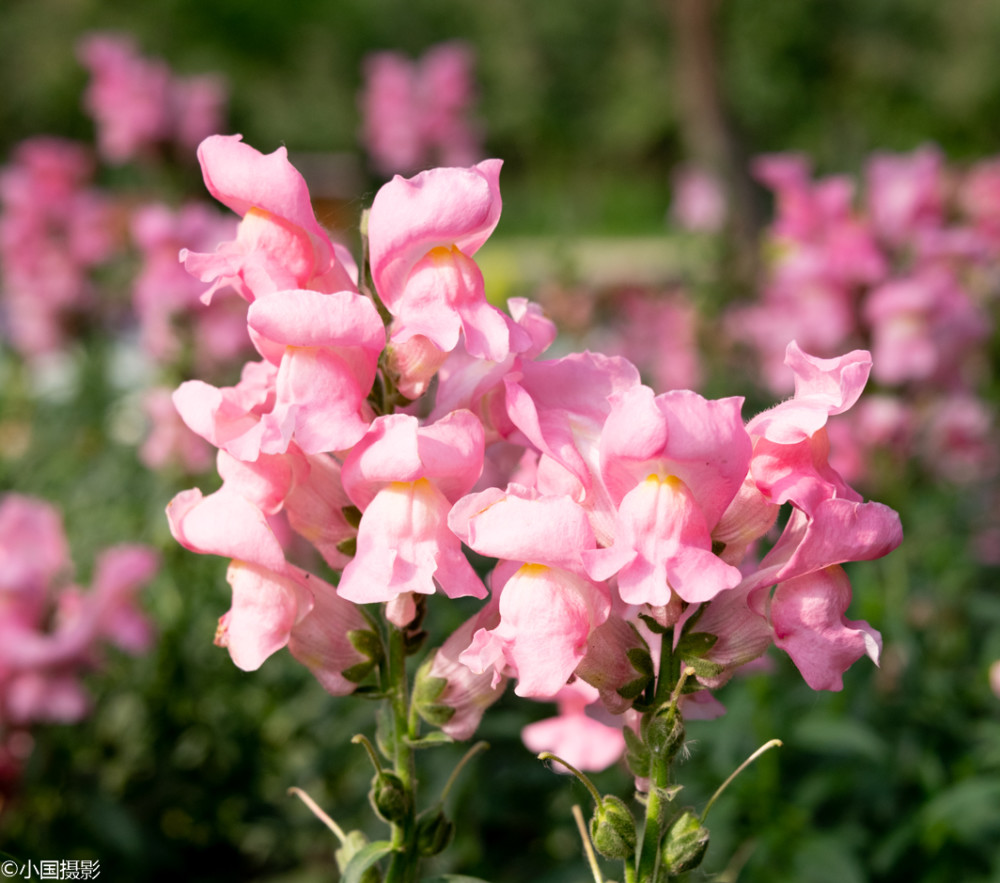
(422,233)
(279,244)
(404,478)
(548,605)
(451,694)
(274,603)
(583,741)
(672,464)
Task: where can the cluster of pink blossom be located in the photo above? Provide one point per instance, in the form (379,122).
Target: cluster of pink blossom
(909,270)
(59,233)
(419,113)
(55,227)
(51,632)
(140,105)
(620,520)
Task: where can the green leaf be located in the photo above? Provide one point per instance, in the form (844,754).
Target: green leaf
(364,859)
(357,673)
(431,739)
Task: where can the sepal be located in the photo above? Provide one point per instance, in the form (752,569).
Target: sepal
(612,828)
(434,831)
(685,844)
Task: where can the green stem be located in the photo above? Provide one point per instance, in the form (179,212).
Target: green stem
(668,686)
(403,866)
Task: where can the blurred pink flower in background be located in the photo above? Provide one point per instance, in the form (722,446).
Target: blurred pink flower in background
(699,201)
(139,104)
(419,113)
(53,632)
(55,227)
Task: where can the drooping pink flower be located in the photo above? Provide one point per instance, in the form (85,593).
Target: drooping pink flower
(573,735)
(274,603)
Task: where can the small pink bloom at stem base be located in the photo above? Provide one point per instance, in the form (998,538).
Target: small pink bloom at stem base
(575,737)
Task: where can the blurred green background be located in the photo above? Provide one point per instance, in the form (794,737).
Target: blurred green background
(184,766)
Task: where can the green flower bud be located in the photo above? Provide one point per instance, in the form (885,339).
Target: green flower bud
(685,843)
(389,797)
(434,832)
(612,828)
(665,735)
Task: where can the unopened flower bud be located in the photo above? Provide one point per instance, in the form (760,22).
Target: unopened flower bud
(685,843)
(389,797)
(612,829)
(434,832)
(664,735)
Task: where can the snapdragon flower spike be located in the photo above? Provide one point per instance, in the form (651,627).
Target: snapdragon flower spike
(279,243)
(422,233)
(404,478)
(548,605)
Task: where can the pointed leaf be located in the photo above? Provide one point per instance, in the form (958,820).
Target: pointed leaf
(364,859)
